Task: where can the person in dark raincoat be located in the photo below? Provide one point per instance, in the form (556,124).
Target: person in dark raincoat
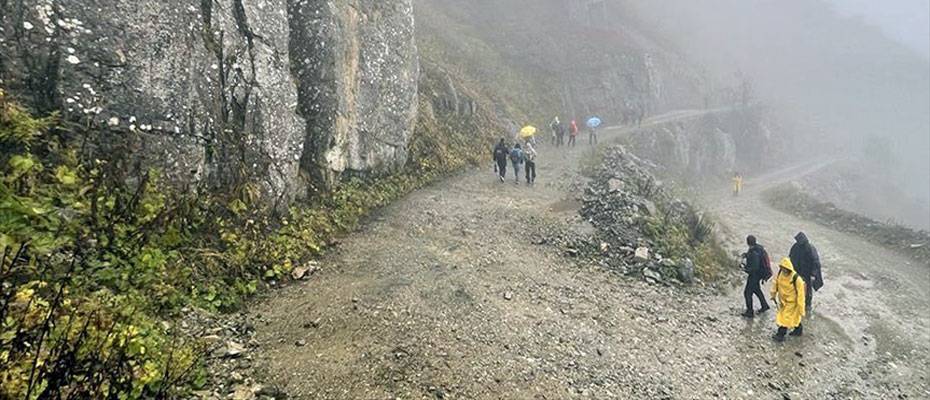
(517,158)
(500,158)
(807,263)
(757,272)
(573,132)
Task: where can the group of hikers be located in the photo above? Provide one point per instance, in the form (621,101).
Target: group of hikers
(799,275)
(560,130)
(522,154)
(521,158)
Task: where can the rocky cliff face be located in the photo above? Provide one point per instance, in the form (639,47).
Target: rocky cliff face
(290,94)
(711,145)
(357,69)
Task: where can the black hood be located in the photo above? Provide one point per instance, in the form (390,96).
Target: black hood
(801,238)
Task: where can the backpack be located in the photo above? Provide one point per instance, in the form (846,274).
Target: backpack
(529,156)
(500,152)
(766,265)
(516,155)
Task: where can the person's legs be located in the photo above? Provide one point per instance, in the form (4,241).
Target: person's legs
(797,331)
(780,334)
(502,169)
(530,171)
(757,290)
(748,292)
(516,173)
(762,302)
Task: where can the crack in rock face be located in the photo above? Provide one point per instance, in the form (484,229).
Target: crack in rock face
(288,94)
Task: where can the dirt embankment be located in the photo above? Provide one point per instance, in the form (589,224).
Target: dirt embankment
(792,199)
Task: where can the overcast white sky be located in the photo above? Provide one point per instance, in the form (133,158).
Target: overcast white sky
(907,21)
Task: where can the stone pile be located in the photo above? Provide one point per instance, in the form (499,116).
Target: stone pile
(620,201)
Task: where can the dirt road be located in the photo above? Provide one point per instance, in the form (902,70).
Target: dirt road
(871,322)
(446,294)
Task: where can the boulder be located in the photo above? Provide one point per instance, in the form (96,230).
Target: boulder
(650,207)
(652,275)
(615,185)
(686,271)
(305,271)
(233,349)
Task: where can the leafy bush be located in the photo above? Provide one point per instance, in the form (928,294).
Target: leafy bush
(86,269)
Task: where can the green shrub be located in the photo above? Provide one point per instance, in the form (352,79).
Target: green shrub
(85,274)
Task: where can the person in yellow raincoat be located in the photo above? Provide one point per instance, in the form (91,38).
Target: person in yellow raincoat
(788,294)
(737,184)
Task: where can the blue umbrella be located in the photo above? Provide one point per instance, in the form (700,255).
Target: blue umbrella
(594,122)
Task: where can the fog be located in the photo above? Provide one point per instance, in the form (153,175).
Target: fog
(906,21)
(853,73)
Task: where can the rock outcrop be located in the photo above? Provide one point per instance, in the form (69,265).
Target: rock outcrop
(289,94)
(714,144)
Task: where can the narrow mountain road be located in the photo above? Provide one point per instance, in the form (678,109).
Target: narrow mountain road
(448,294)
(870,327)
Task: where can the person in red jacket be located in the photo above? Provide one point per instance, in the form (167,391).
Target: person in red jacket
(573,133)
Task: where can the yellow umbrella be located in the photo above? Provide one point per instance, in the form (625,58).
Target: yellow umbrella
(527,131)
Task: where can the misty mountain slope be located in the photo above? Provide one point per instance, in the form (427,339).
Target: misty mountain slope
(848,88)
(532,60)
(585,62)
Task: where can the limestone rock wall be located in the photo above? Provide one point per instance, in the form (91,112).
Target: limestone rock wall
(288,94)
(714,145)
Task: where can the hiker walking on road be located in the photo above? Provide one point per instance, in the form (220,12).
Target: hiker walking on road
(573,133)
(516,159)
(592,135)
(737,184)
(805,258)
(559,133)
(788,294)
(529,155)
(500,159)
(555,126)
(759,270)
